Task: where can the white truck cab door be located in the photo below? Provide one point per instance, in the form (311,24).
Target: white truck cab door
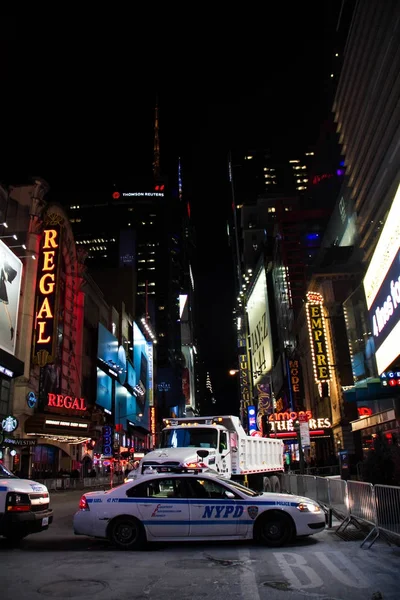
(224,459)
(163,506)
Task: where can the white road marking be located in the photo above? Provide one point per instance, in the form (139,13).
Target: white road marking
(248,583)
(353,578)
(313,580)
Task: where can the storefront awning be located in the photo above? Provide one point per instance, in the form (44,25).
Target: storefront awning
(369,390)
(373,420)
(139,429)
(61,428)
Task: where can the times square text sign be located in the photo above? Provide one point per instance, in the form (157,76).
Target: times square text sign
(45,325)
(318,338)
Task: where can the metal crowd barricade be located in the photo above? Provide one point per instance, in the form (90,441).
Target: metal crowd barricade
(337,497)
(353,502)
(387,513)
(361,506)
(309,486)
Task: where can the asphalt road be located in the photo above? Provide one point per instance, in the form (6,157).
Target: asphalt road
(58,564)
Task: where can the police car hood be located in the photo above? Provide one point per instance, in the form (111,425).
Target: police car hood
(178,455)
(25,486)
(284,498)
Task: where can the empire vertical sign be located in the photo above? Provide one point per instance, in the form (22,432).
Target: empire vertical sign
(318,338)
(46,307)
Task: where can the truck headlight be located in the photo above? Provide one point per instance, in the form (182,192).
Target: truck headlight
(308,507)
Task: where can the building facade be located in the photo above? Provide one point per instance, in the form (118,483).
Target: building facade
(88,367)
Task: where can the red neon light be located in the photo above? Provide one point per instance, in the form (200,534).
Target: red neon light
(364,411)
(287,434)
(318,178)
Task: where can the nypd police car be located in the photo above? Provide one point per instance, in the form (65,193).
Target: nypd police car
(24,506)
(196,507)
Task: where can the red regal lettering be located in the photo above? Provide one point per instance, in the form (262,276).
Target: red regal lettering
(60,401)
(51,400)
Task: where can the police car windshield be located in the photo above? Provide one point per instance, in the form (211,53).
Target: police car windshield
(5,473)
(196,437)
(240,487)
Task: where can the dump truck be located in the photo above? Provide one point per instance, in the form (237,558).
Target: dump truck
(218,444)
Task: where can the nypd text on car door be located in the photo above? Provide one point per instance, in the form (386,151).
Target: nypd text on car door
(215,510)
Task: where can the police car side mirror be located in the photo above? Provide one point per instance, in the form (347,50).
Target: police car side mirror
(229,495)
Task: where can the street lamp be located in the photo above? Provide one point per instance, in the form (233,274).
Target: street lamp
(233,371)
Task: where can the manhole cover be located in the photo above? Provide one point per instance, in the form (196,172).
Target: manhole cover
(72,588)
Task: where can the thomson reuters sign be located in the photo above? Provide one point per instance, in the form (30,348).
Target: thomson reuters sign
(318,337)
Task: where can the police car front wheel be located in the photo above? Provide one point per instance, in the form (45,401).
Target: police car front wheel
(127,533)
(275,529)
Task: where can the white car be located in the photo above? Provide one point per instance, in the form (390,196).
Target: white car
(196,507)
(24,506)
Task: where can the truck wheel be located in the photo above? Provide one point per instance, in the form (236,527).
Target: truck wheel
(274,529)
(275,484)
(127,533)
(267,484)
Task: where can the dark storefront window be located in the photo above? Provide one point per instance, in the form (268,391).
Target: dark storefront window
(44,461)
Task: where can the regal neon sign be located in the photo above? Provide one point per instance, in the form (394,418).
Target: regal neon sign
(318,337)
(46,297)
(68,402)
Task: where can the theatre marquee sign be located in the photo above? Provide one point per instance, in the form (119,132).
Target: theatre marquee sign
(46,308)
(318,337)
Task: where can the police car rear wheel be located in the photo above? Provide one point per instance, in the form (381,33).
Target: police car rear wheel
(275,530)
(127,534)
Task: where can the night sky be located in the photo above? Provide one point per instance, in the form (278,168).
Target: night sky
(78,101)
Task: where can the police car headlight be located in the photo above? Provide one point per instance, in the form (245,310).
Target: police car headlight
(308,507)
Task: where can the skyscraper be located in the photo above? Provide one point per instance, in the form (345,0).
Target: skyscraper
(134,235)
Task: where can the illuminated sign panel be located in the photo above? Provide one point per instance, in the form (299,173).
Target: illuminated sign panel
(107,441)
(382,289)
(260,328)
(10,278)
(252,418)
(147,194)
(153,425)
(284,422)
(150,383)
(45,325)
(295,381)
(244,379)
(318,339)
